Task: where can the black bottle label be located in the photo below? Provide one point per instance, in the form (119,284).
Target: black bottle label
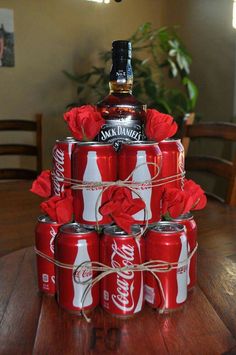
(119,131)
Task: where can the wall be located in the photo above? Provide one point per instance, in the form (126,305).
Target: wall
(206,28)
(54,35)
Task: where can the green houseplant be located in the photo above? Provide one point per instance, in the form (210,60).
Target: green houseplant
(161,66)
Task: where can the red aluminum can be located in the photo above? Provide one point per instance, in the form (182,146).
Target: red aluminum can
(45,233)
(167,241)
(62,152)
(133,157)
(188,221)
(92,162)
(122,292)
(76,245)
(172,163)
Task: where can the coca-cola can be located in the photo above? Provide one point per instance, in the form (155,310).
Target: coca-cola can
(167,242)
(141,162)
(45,233)
(62,153)
(188,221)
(76,246)
(173,167)
(92,163)
(122,291)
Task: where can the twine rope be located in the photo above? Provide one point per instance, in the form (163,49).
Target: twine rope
(81,184)
(153,266)
(132,185)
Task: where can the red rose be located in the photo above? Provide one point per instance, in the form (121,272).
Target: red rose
(176,202)
(59,209)
(42,186)
(159,126)
(84,122)
(121,206)
(197,194)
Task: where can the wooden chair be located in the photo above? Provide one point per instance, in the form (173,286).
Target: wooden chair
(189,119)
(22,149)
(211,164)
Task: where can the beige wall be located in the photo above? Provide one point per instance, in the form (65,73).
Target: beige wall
(206,27)
(60,34)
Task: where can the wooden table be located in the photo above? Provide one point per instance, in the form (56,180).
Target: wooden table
(33,323)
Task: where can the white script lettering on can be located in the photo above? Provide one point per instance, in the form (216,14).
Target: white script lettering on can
(53,234)
(59,160)
(124,256)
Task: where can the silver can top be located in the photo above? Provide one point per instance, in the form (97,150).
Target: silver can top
(168,227)
(116,231)
(67,140)
(73,228)
(94,144)
(138,143)
(171,140)
(183,217)
(45,219)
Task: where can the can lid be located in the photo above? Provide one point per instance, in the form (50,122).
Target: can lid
(66,140)
(94,144)
(168,227)
(46,219)
(74,228)
(183,217)
(118,232)
(170,140)
(140,143)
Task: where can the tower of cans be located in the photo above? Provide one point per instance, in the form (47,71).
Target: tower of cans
(77,244)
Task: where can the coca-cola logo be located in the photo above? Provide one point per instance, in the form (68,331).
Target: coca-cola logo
(83,273)
(58,170)
(91,186)
(143,186)
(181,162)
(123,293)
(53,234)
(182,269)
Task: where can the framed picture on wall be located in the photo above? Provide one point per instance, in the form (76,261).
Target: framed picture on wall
(7,56)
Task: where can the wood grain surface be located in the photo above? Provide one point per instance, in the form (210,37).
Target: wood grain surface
(32,323)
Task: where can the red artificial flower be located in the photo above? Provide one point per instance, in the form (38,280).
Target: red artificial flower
(176,202)
(59,208)
(197,194)
(159,125)
(42,186)
(121,206)
(84,122)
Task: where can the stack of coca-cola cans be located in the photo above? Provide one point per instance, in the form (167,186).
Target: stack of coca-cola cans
(74,246)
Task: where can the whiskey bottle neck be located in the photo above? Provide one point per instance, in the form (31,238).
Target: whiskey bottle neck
(121,76)
(116,87)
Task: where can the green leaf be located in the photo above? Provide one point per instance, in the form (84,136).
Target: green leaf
(192,91)
(173,68)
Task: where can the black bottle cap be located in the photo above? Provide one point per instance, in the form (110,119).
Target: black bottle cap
(121,49)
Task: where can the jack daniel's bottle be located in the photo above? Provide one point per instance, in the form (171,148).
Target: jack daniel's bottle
(124,115)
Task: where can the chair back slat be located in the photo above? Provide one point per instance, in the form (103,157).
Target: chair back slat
(222,130)
(213,165)
(22,149)
(6,174)
(17,149)
(17,125)
(216,165)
